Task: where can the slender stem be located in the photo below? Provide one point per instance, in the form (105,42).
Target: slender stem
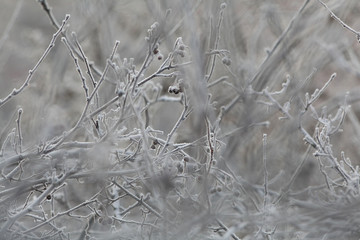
(76,61)
(32,71)
(18,122)
(139,200)
(55,23)
(57,142)
(11,219)
(216,44)
(266,174)
(278,41)
(332,14)
(176,126)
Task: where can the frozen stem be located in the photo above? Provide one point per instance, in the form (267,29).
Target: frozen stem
(18,122)
(176,126)
(33,70)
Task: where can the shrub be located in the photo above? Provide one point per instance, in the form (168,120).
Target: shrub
(188,130)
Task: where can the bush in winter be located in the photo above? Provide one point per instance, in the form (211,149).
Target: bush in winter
(179,120)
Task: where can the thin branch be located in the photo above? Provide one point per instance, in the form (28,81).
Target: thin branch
(278,41)
(210,138)
(162,68)
(332,14)
(139,200)
(317,93)
(176,126)
(285,190)
(219,80)
(266,174)
(12,218)
(86,61)
(76,61)
(221,224)
(56,142)
(67,212)
(18,123)
(33,70)
(55,23)
(217,40)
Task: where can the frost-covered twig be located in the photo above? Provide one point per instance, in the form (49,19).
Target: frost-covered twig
(177,124)
(56,142)
(76,61)
(16,91)
(333,15)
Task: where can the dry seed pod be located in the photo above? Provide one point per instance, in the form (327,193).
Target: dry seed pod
(174,89)
(226,61)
